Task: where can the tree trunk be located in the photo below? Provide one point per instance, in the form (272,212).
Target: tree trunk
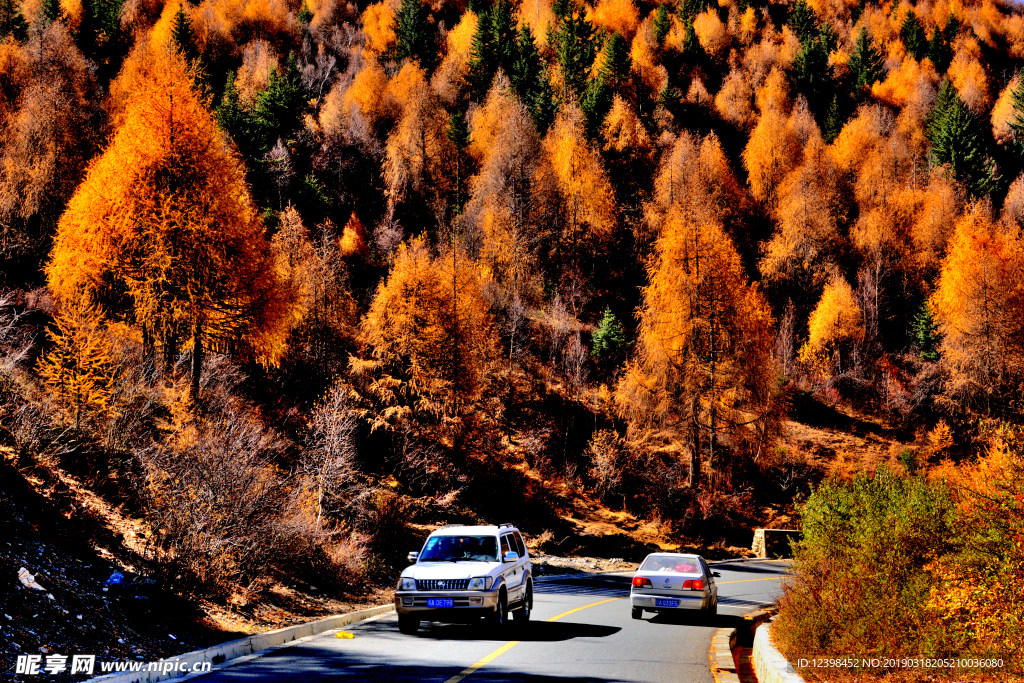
(197,362)
(694,480)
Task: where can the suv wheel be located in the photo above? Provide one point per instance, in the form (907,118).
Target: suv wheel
(408,624)
(500,615)
(523,613)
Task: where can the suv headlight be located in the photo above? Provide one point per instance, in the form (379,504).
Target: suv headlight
(406,584)
(480,583)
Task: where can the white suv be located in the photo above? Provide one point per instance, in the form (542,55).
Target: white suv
(459,575)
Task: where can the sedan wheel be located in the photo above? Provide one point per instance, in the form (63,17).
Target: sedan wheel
(638,613)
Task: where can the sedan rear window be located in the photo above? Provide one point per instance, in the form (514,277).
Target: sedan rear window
(464,548)
(668,563)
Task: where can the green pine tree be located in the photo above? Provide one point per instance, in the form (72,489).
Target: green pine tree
(913,36)
(230,114)
(924,333)
(866,64)
(12,23)
(458,134)
(951,30)
(575,50)
(277,112)
(1017,122)
(481,59)
(610,343)
(811,70)
(305,15)
(944,100)
(181,33)
(504,36)
(693,51)
(958,140)
(561,9)
(52,11)
(414,37)
(108,20)
(835,119)
(939,50)
(802,21)
(612,77)
(530,80)
(662,24)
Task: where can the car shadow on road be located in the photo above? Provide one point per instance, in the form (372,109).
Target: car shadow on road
(695,618)
(535,631)
(598,585)
(379,669)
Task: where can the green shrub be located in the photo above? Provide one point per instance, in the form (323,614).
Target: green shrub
(861,579)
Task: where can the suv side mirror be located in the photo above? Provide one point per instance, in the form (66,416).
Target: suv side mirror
(715,574)
(511,556)
(413,556)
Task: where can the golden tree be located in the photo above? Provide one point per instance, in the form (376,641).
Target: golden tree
(430,337)
(835,324)
(703,371)
(513,199)
(49,134)
(162,233)
(79,368)
(813,206)
(979,307)
(588,212)
(418,152)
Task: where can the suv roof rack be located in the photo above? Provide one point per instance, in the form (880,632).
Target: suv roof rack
(504,524)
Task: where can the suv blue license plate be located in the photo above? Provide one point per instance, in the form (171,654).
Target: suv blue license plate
(666,603)
(440,602)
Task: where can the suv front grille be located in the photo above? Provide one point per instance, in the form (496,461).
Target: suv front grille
(442,584)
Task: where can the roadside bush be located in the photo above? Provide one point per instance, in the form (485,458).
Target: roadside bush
(862,578)
(923,565)
(216,496)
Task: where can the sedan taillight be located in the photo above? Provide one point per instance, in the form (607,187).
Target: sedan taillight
(693,585)
(641,582)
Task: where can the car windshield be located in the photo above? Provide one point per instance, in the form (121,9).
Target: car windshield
(670,563)
(456,548)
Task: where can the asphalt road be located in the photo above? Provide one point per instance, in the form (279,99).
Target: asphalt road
(581,630)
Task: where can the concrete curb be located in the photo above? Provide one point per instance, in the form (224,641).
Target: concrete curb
(770,665)
(248,647)
(723,663)
(723,656)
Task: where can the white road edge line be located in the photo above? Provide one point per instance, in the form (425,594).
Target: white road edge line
(347,619)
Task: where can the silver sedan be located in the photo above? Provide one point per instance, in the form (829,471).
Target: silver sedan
(667,582)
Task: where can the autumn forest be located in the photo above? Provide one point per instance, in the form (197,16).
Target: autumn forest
(289,274)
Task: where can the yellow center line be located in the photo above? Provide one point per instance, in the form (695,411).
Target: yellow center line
(770,578)
(512,643)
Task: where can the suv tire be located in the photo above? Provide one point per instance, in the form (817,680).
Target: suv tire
(408,624)
(523,613)
(499,617)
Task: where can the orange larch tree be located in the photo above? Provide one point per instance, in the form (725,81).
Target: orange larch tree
(162,233)
(703,370)
(979,307)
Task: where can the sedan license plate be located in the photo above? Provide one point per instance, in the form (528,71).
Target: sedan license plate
(658,602)
(440,602)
